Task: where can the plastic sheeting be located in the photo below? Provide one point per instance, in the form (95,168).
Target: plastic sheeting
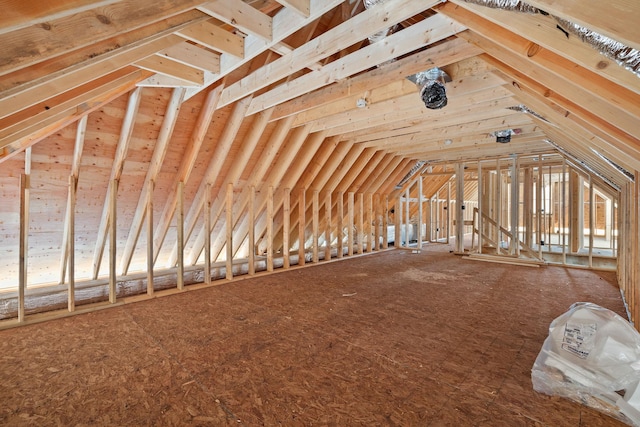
(592,356)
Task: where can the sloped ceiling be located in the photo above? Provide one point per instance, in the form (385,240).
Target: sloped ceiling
(287,94)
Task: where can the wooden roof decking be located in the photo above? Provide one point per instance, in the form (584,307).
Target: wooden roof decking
(264,94)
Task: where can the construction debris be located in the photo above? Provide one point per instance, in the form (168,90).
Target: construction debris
(592,356)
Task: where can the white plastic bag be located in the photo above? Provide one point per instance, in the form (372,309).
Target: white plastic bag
(592,356)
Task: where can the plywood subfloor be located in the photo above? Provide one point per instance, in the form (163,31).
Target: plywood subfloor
(394,338)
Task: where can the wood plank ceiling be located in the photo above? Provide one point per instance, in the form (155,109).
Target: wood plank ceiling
(269,96)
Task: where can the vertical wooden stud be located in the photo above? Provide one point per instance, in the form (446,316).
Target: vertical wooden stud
(592,217)
(270,229)
(438,215)
(633,213)
(71,245)
(576,212)
(385,221)
(327,229)
(527,207)
(460,207)
(229,229)
(549,209)
(615,232)
(339,226)
(252,230)
(180,220)
(498,205)
(207,234)
(369,221)
(563,213)
(350,220)
(113,227)
(407,219)
(286,218)
(397,216)
(360,223)
(420,214)
(480,207)
(150,256)
(302,225)
(315,220)
(514,248)
(539,211)
(24,243)
(75,172)
(376,222)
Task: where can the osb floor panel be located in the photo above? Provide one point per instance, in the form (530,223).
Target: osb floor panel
(394,338)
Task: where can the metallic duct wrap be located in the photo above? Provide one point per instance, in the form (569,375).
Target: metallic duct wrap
(432,92)
(583,164)
(514,5)
(419,164)
(370,3)
(524,109)
(434,95)
(630,176)
(376,37)
(624,55)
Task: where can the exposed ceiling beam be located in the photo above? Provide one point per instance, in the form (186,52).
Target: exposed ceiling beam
(617,19)
(442,54)
(523,147)
(459,132)
(375,95)
(345,107)
(214,167)
(168,67)
(33,74)
(536,96)
(258,175)
(17,14)
(469,95)
(443,132)
(609,101)
(187,164)
(28,125)
(328,43)
(626,154)
(80,74)
(468,143)
(194,56)
(428,31)
(155,164)
(122,147)
(542,30)
(233,174)
(240,15)
(582,154)
(301,6)
(284,23)
(81,29)
(209,34)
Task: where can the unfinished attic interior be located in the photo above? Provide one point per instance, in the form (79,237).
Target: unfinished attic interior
(149,148)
